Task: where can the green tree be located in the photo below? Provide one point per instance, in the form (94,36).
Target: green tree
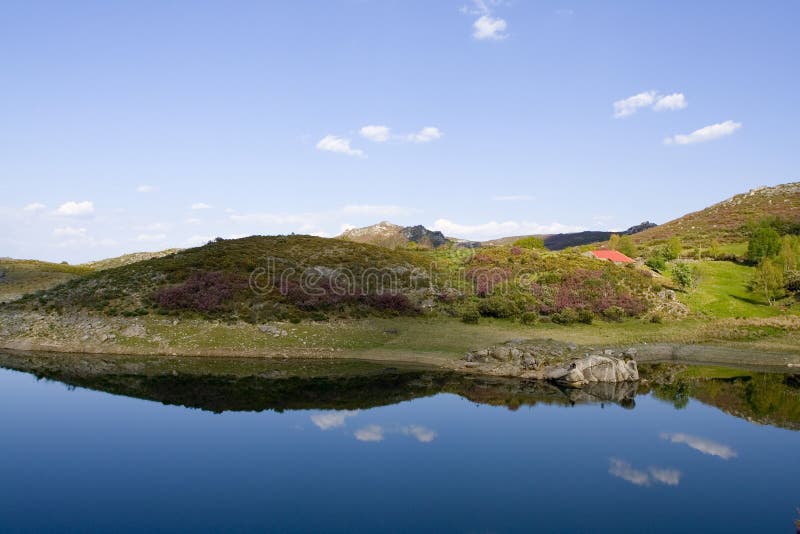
(789,256)
(765,242)
(530,242)
(613,242)
(626,246)
(714,249)
(675,247)
(768,280)
(682,275)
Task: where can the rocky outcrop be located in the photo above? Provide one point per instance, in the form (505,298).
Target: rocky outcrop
(554,361)
(593,369)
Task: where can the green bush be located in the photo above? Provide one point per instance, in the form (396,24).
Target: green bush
(497,306)
(470,315)
(530,242)
(585,316)
(656,262)
(529,318)
(565,316)
(682,275)
(614,313)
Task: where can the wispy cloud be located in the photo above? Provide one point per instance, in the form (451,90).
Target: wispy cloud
(377,210)
(648,99)
(150,238)
(146,189)
(704,445)
(425,135)
(69,231)
(382,134)
(200,206)
(341,145)
(707,133)
(34,207)
(75,209)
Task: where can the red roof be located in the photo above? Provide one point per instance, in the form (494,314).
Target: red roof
(612,255)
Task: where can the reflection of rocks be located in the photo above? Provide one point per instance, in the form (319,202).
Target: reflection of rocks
(552,360)
(593,369)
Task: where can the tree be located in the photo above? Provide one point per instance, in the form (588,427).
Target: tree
(682,275)
(626,246)
(675,247)
(765,242)
(613,242)
(530,242)
(714,249)
(768,280)
(789,256)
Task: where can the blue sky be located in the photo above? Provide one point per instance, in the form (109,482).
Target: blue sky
(142,125)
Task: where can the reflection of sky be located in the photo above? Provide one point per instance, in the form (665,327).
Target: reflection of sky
(60,448)
(329,420)
(638,477)
(706,446)
(338,419)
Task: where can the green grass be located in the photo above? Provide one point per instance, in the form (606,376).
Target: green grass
(721,291)
(26,276)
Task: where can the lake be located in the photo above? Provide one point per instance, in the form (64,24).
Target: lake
(129,446)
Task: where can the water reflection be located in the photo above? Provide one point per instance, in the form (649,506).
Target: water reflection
(638,477)
(706,446)
(330,420)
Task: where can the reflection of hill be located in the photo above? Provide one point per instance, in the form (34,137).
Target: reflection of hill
(767,399)
(250,385)
(220,385)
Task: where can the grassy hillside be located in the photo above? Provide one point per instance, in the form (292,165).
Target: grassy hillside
(127,259)
(18,277)
(316,278)
(727,221)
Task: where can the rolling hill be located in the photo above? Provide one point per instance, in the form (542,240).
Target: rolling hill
(386,234)
(727,221)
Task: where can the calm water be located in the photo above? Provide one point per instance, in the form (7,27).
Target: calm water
(77,458)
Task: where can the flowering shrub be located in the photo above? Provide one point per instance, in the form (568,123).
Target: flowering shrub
(205,292)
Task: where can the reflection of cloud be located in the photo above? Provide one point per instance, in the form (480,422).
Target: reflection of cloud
(329,420)
(369,433)
(706,446)
(670,477)
(625,471)
(423,435)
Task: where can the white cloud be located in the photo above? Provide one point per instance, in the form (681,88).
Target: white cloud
(74,209)
(706,446)
(369,433)
(149,238)
(200,206)
(69,231)
(425,135)
(494,229)
(378,134)
(707,133)
(34,206)
(146,189)
(513,198)
(422,434)
(192,220)
(489,27)
(329,420)
(630,105)
(649,99)
(333,143)
(670,102)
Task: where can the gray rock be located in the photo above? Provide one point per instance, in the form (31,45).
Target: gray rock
(592,369)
